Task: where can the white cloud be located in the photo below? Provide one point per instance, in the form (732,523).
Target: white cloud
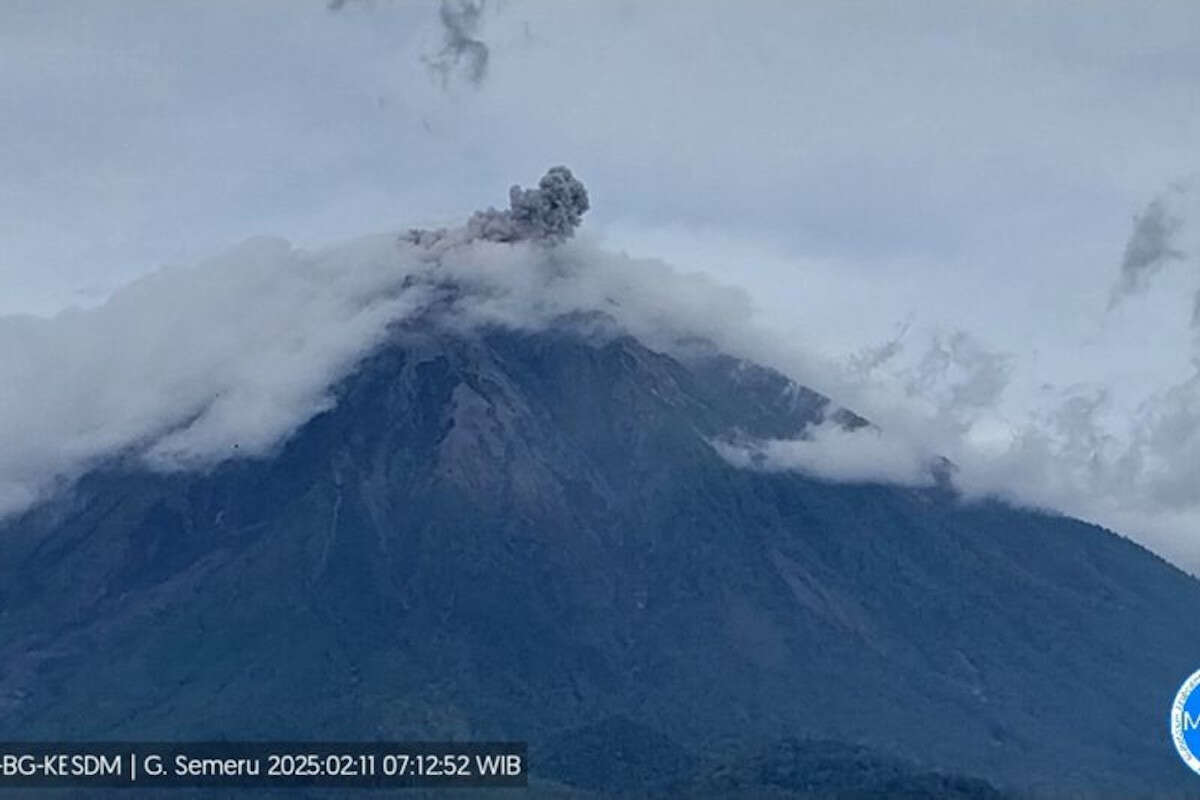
(831,452)
(185,365)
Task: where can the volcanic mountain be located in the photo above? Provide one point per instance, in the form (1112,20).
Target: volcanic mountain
(496,532)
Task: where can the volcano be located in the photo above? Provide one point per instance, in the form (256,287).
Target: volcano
(501,533)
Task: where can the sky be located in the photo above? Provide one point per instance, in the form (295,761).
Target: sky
(973,222)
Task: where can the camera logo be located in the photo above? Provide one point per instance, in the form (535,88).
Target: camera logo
(1185,722)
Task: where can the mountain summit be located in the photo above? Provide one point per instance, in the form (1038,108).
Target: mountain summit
(493,531)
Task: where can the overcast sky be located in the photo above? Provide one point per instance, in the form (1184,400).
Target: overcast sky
(965,170)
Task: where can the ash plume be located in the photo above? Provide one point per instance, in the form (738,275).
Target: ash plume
(549,213)
(1151,246)
(462,50)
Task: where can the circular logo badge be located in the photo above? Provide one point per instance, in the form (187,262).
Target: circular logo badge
(1185,722)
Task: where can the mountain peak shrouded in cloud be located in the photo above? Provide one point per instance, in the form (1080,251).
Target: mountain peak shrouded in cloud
(190,367)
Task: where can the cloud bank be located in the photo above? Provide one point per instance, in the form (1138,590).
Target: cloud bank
(1124,456)
(186,367)
(830,451)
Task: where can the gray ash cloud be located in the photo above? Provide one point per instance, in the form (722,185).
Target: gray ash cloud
(549,213)
(1151,246)
(462,52)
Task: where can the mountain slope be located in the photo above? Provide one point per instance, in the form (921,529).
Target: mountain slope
(519,534)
